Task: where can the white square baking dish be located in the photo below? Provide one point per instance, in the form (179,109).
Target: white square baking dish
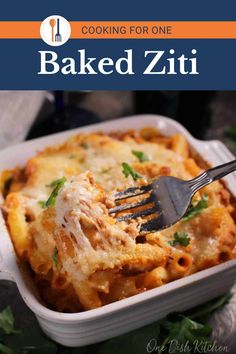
(96,325)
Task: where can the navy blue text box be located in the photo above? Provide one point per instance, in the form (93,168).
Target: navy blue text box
(20,63)
(107,10)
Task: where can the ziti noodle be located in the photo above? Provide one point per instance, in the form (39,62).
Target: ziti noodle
(56,209)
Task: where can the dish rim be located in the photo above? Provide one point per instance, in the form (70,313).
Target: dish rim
(135,300)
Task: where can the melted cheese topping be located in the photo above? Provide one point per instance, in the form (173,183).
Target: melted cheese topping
(83,257)
(79,211)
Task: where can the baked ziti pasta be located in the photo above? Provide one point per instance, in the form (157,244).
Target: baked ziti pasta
(56,209)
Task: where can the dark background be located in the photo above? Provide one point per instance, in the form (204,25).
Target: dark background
(206,114)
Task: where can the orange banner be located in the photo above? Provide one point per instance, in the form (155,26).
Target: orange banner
(127,30)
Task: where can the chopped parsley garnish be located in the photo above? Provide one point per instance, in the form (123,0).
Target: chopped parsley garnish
(54,183)
(129,171)
(55,257)
(196,209)
(42,203)
(142,157)
(85,146)
(57,184)
(180,239)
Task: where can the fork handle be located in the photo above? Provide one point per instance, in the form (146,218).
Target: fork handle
(58,26)
(212,175)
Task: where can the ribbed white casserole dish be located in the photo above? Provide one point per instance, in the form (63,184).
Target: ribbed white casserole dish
(96,325)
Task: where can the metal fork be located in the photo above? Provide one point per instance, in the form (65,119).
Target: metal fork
(166,198)
(58,35)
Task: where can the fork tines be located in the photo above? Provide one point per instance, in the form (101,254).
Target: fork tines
(132,192)
(152,225)
(150,202)
(58,38)
(129,206)
(138,214)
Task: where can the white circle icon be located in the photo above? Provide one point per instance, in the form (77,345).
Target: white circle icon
(55,30)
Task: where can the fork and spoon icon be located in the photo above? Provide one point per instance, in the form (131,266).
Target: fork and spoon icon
(55,37)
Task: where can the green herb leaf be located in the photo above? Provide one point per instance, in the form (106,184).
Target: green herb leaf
(129,171)
(6,350)
(203,312)
(196,209)
(31,341)
(142,157)
(58,184)
(7,321)
(55,257)
(180,238)
(54,183)
(85,146)
(185,331)
(42,203)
